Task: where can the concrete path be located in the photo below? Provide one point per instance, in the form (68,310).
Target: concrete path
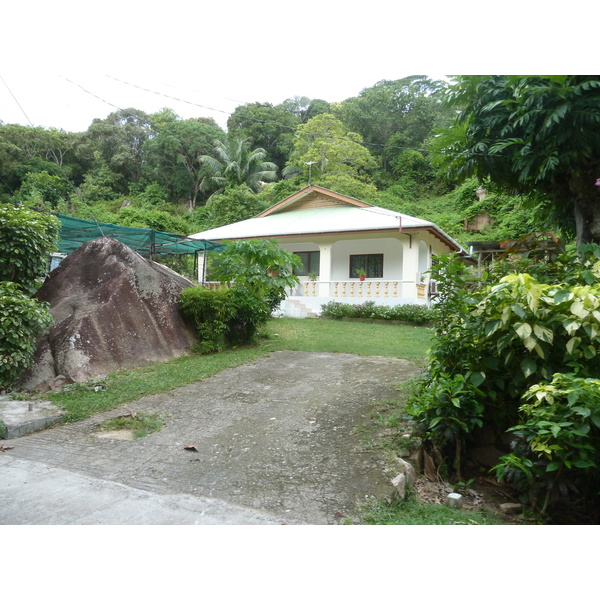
(275,441)
(32,493)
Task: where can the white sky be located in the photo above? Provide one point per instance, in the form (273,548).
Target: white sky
(60,60)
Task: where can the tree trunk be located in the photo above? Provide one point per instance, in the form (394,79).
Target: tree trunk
(586,205)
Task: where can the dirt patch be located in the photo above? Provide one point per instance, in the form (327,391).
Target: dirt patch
(119,434)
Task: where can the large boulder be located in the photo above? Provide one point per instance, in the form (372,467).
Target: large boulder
(113,309)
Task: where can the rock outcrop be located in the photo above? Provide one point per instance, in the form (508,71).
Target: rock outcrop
(113,309)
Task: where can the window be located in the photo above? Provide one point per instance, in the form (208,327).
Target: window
(310,263)
(371,263)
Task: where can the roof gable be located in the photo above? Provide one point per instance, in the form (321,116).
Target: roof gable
(312,196)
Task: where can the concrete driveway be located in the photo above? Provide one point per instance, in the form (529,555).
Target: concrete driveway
(274,442)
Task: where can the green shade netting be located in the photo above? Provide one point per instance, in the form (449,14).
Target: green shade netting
(75,232)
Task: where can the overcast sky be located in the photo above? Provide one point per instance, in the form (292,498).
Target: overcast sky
(64,63)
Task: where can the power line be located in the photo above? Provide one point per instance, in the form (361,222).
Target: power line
(266,122)
(17,102)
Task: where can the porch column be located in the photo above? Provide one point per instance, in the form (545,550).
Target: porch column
(410,266)
(324,270)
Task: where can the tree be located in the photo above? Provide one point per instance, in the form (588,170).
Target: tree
(266,126)
(537,136)
(234,203)
(235,163)
(400,113)
(174,156)
(44,190)
(117,143)
(260,266)
(304,108)
(26,150)
(331,148)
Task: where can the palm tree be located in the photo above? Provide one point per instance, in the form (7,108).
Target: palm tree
(235,163)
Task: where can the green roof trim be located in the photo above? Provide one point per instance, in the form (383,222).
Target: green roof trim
(147,242)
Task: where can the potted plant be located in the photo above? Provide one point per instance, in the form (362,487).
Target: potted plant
(312,276)
(421,287)
(361,274)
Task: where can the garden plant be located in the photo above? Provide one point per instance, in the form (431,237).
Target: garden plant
(518,352)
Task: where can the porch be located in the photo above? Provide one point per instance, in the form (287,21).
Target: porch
(307,298)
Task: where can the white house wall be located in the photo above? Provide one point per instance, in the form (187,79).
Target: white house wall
(389,247)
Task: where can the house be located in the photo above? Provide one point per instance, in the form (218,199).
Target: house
(336,236)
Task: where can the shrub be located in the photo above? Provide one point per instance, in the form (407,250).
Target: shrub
(224,317)
(497,346)
(560,429)
(413,313)
(27,239)
(21,319)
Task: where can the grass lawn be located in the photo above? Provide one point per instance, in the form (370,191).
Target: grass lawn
(350,337)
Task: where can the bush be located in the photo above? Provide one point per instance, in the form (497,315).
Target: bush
(561,441)
(27,239)
(499,352)
(224,317)
(21,319)
(413,313)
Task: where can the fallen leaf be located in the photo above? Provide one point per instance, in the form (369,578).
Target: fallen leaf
(191,448)
(5,448)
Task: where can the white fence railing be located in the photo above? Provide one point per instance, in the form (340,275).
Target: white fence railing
(358,289)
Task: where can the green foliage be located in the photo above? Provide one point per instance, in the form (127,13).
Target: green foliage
(412,313)
(43,190)
(494,342)
(533,135)
(151,218)
(173,157)
(261,266)
(560,429)
(21,319)
(233,162)
(27,239)
(266,126)
(224,317)
(232,204)
(332,148)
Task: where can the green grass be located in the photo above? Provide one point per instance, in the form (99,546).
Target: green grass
(140,424)
(410,512)
(310,335)
(364,339)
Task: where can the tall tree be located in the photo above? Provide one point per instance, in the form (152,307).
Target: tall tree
(25,149)
(533,135)
(401,113)
(304,108)
(173,156)
(117,142)
(325,146)
(266,126)
(234,162)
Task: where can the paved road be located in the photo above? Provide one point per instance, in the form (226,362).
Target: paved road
(276,442)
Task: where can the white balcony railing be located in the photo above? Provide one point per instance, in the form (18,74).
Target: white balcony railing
(359,289)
